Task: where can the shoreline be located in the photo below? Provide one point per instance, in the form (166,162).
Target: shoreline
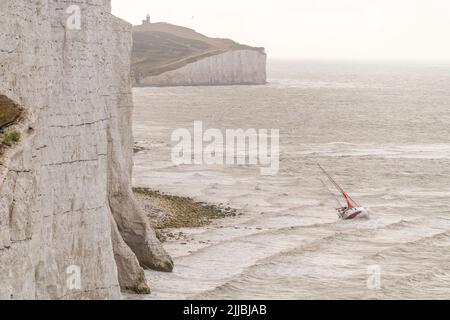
(169,213)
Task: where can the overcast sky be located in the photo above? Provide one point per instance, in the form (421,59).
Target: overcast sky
(312,29)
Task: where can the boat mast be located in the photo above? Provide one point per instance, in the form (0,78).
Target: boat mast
(350,202)
(332,193)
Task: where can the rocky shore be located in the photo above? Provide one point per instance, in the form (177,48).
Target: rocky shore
(168,213)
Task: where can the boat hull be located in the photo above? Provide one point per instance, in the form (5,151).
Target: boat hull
(354,213)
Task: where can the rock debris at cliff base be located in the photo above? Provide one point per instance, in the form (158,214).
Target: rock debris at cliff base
(166,212)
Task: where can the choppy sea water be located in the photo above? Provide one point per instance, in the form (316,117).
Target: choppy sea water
(383,130)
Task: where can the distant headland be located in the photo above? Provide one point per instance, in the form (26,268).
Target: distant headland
(168,55)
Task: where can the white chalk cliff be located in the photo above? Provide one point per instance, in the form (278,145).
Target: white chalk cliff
(229,68)
(66,202)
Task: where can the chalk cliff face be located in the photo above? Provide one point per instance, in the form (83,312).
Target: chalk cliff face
(229,68)
(65,190)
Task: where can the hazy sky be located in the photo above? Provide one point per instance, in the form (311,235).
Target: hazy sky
(318,29)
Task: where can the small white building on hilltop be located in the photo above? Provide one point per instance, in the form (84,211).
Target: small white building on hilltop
(147,20)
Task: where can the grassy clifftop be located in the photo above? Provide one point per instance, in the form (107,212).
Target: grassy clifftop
(162,47)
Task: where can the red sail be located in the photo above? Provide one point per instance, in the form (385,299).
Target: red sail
(350,202)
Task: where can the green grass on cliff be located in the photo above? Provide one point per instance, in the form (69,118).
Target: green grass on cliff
(10,138)
(9,115)
(7,139)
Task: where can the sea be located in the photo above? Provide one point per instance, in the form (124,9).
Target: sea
(382,130)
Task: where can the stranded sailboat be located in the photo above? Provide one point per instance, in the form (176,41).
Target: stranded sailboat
(351,210)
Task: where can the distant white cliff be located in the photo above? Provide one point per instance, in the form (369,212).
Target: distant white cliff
(169,55)
(235,67)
